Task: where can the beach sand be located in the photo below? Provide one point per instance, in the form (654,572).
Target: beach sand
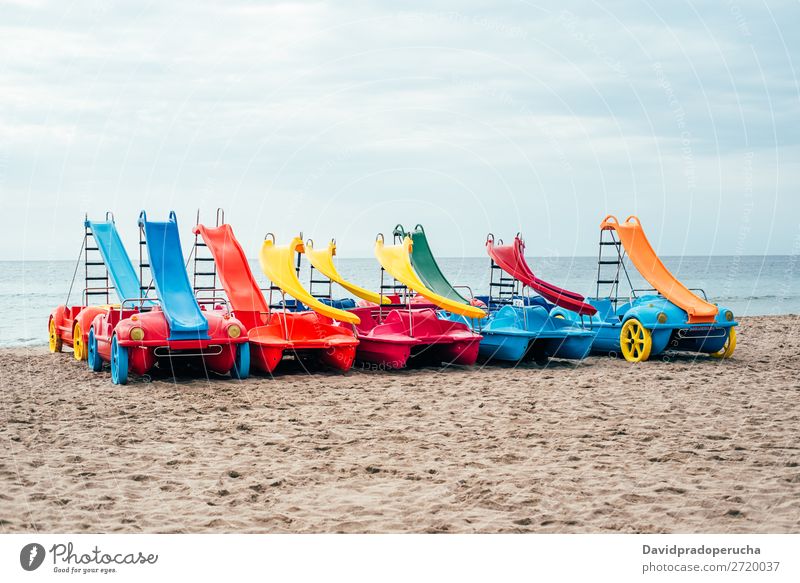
(691,445)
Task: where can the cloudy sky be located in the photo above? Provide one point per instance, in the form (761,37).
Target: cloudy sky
(345,118)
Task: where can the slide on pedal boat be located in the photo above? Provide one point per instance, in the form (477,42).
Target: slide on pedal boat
(646,323)
(339,342)
(277,263)
(171,327)
(273,333)
(426,266)
(185,319)
(511,259)
(439,340)
(512,333)
(396,260)
(69,325)
(322,261)
(650,266)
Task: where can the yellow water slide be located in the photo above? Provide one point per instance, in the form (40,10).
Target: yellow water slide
(277,263)
(322,260)
(644,258)
(396,259)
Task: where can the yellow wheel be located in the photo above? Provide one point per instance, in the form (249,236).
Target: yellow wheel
(55,340)
(730,345)
(78,347)
(635,341)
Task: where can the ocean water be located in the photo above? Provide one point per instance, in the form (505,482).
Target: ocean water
(749,285)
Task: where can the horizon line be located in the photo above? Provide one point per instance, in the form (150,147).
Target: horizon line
(471,257)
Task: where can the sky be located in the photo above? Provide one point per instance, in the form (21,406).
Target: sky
(343,119)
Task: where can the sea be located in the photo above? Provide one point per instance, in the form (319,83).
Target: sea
(749,285)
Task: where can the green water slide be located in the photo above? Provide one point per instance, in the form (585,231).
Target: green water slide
(426,266)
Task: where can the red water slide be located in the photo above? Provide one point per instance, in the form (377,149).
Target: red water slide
(511,259)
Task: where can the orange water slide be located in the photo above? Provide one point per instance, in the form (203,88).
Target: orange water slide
(233,269)
(644,258)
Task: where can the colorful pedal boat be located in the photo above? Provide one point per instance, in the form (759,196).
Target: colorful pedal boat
(672,317)
(515,333)
(417,336)
(650,325)
(135,341)
(303,336)
(173,326)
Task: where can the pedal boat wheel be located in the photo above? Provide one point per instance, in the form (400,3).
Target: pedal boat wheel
(730,346)
(635,341)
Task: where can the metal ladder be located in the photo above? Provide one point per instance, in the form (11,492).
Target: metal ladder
(318,280)
(616,262)
(92,259)
(502,291)
(395,287)
(204,268)
(144,266)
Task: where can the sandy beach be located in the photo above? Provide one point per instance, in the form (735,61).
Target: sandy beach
(689,445)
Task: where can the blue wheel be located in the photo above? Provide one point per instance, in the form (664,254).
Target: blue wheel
(241,363)
(119,362)
(93,358)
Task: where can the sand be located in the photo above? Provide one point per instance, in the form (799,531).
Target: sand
(689,445)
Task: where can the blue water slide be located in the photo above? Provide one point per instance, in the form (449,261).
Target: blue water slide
(118,263)
(184,317)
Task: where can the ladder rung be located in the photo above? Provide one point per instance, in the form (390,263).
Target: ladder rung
(214,273)
(607,262)
(144,265)
(607,281)
(204,288)
(501,284)
(320,281)
(95,263)
(96,278)
(93,249)
(142,242)
(198,244)
(203,258)
(610,243)
(96,293)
